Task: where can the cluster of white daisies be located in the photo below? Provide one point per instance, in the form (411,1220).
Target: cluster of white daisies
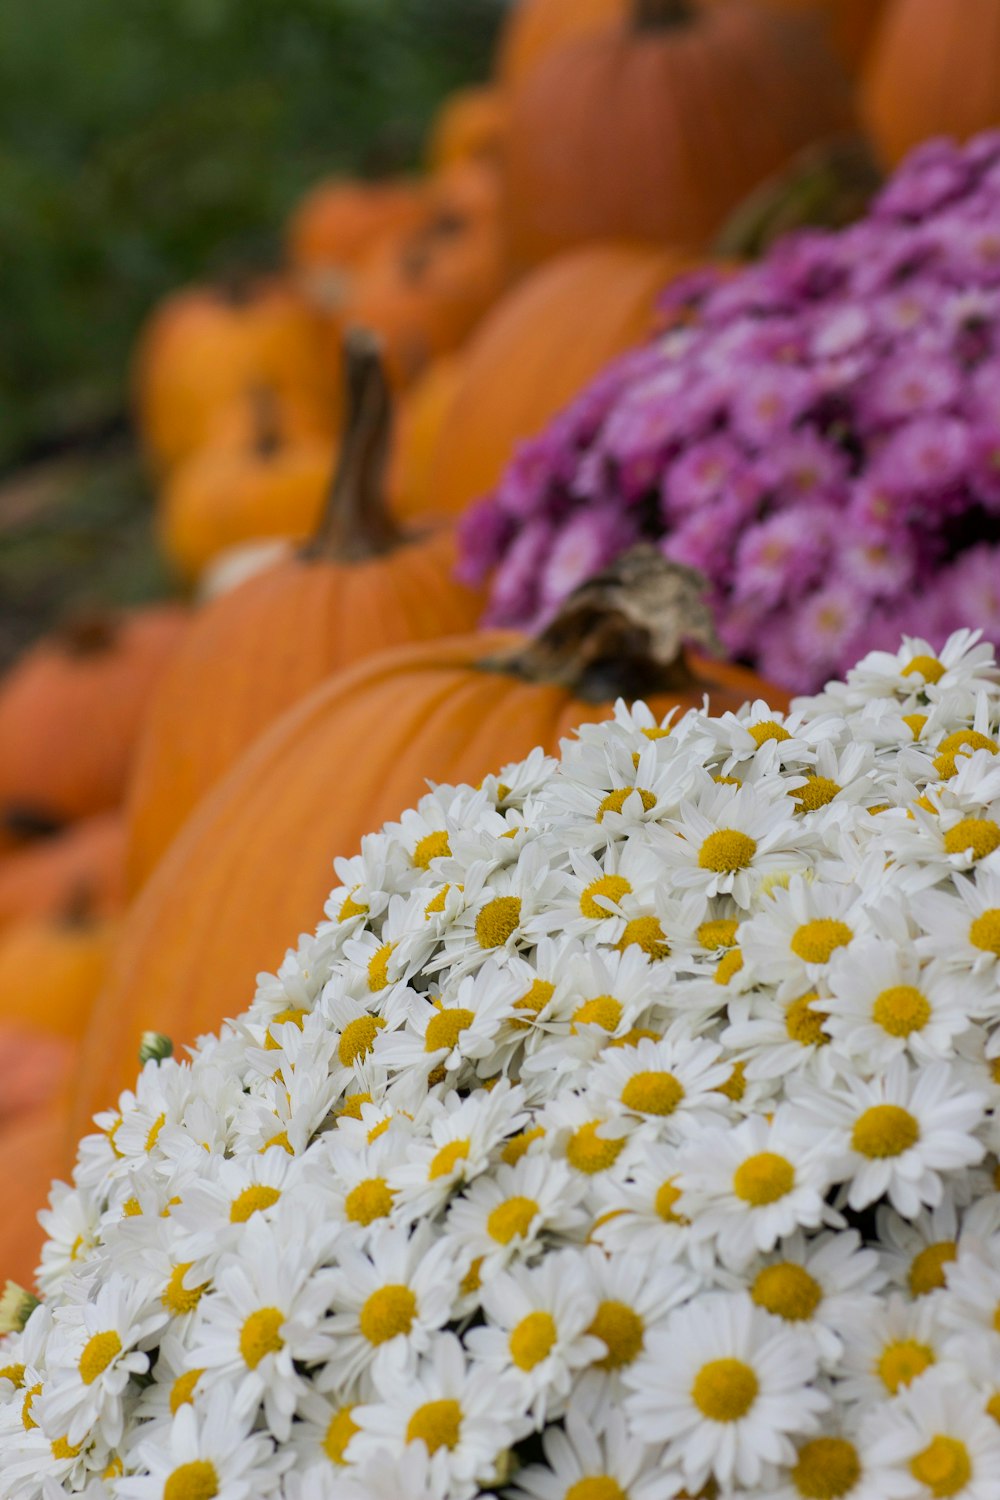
(627,1131)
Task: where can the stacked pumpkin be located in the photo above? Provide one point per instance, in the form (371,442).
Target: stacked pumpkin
(331,417)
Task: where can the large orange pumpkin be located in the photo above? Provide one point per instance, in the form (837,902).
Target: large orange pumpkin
(536,350)
(252,866)
(424,291)
(657,126)
(934,70)
(536,28)
(469,126)
(71,710)
(423,414)
(51,969)
(205,347)
(35,1148)
(361,586)
(850,25)
(338,222)
(270,484)
(85,860)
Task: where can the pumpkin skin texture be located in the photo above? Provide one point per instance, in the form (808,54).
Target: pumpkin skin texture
(536,28)
(340,218)
(206,347)
(469,126)
(84,862)
(655,128)
(534,353)
(84,688)
(424,291)
(423,415)
(934,70)
(51,969)
(35,1151)
(361,586)
(850,25)
(222,903)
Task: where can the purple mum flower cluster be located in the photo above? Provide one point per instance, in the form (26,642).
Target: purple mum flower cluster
(818,433)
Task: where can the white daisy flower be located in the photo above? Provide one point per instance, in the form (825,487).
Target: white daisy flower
(506,1215)
(888,1347)
(725,839)
(883,1003)
(209,1450)
(813,1282)
(587,1459)
(937,1436)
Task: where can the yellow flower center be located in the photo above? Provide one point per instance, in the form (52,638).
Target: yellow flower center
(351,1107)
(154,1131)
(725,1389)
(984,933)
(980,835)
(533,1002)
(588,1152)
(647,934)
(437,1424)
(763,1179)
(828,1468)
(182,1390)
(615,801)
(511,1218)
(194,1481)
(444,1028)
(251,1201)
(431,846)
(281,1139)
(131,1209)
(176,1297)
(378,967)
(358,1039)
(13,1373)
(436,903)
(339,1432)
(261,1335)
(350,908)
(726,851)
(944,1466)
(447,1159)
(63,1448)
(498,921)
(472,1280)
(816,793)
(115,1469)
(814,941)
(928,667)
(787,1291)
(611,888)
(900,1010)
(603,1010)
(729,964)
(885,1130)
(619,1327)
(518,1144)
(98,1353)
(915,724)
(387,1313)
(963,742)
(668,1195)
(27,1420)
(370,1200)
(766,730)
(596,1487)
(635,1035)
(652,1093)
(993,1408)
(292,1013)
(805,1025)
(927,1269)
(901,1362)
(532,1339)
(718,933)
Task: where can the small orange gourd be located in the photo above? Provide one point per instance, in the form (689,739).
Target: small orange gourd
(46,876)
(252,867)
(360,586)
(338,222)
(469,126)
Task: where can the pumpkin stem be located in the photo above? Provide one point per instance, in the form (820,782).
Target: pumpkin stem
(621,634)
(88,632)
(357,523)
(26,823)
(662,15)
(268,438)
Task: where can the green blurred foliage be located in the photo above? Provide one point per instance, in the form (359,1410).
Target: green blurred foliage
(144,143)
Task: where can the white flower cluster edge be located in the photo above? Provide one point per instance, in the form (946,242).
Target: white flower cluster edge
(628,1130)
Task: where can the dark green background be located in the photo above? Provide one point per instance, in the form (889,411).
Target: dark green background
(147,142)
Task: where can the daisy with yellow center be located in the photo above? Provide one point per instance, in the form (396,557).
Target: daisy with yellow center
(885,1004)
(725,841)
(947,1447)
(505,1215)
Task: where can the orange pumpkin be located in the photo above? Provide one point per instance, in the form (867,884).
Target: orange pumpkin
(251,868)
(361,586)
(934,70)
(536,28)
(268,485)
(35,1149)
(51,969)
(424,291)
(205,347)
(657,126)
(469,126)
(86,859)
(338,222)
(423,414)
(71,710)
(849,25)
(536,350)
